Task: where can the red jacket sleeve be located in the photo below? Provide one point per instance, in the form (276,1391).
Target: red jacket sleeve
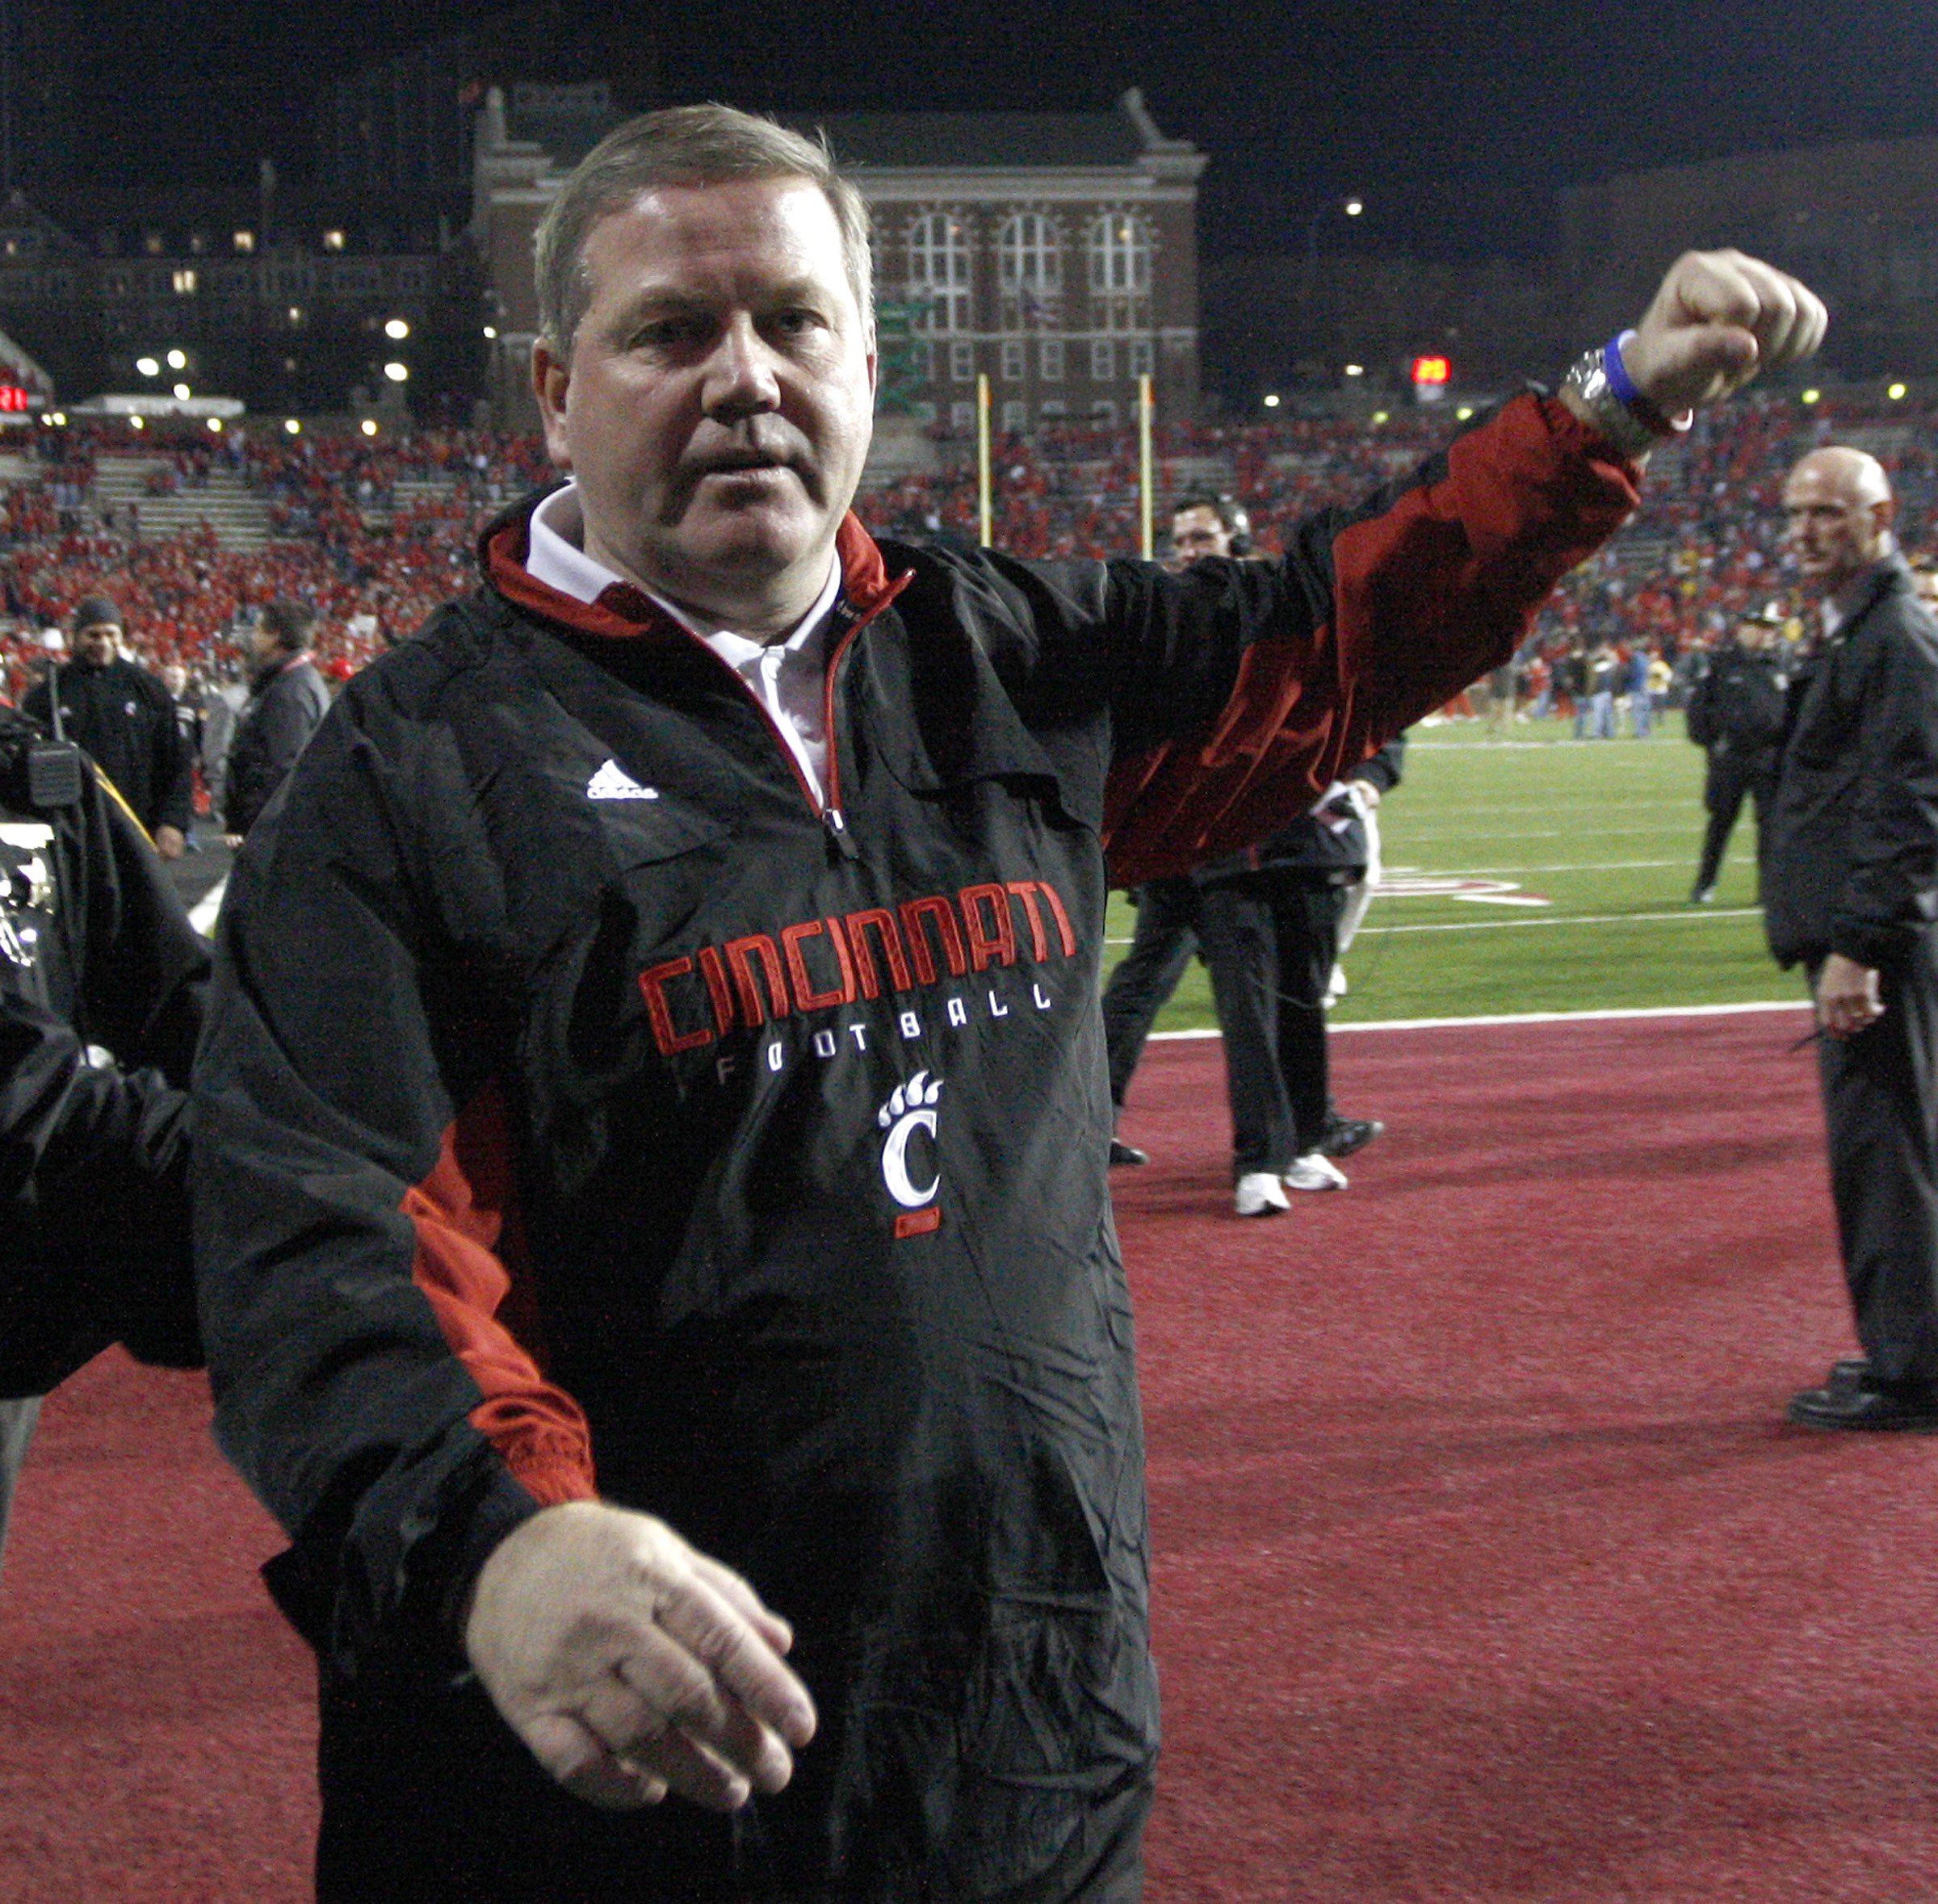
(1429,586)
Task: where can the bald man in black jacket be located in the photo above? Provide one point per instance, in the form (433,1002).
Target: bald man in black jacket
(1851,893)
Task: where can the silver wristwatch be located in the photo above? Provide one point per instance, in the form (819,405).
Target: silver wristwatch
(1588,379)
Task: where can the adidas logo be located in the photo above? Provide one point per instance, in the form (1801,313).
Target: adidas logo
(613,782)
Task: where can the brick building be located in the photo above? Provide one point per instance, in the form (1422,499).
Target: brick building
(1055,252)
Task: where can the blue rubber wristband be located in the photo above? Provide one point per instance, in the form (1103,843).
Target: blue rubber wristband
(1632,400)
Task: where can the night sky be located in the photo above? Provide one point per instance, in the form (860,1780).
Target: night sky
(1458,121)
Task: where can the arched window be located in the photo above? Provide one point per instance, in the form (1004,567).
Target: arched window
(938,269)
(1119,245)
(1026,254)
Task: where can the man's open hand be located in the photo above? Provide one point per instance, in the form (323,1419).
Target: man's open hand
(631,1665)
(1719,318)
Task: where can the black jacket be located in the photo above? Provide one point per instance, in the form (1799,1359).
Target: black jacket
(587,1108)
(1736,708)
(94,951)
(286,703)
(125,718)
(1851,863)
(1327,844)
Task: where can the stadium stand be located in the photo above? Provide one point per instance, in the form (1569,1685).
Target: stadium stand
(192,533)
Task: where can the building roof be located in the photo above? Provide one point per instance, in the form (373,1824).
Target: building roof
(951,141)
(1006,139)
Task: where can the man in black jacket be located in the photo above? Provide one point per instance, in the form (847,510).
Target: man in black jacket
(1202,525)
(1270,920)
(652,1164)
(101,991)
(1850,892)
(1735,715)
(286,703)
(125,720)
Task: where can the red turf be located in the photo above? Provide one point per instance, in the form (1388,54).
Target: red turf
(1485,1570)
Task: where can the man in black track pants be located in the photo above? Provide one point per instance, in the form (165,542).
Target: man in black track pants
(1735,715)
(651,1145)
(1851,893)
(1270,920)
(1166,936)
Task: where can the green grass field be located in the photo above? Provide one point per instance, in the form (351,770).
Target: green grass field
(1606,832)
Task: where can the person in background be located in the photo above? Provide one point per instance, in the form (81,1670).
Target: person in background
(1640,707)
(287,699)
(124,720)
(228,696)
(1735,715)
(188,717)
(102,984)
(1850,892)
(1202,525)
(1269,919)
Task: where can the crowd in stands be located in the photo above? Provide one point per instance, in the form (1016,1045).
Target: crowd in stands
(374,532)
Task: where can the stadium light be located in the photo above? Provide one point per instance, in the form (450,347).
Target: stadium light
(178,360)
(397,331)
(368,426)
(1461,414)
(215,424)
(1811,396)
(491,331)
(1356,370)
(1896,393)
(398,373)
(1354,207)
(1379,416)
(1436,370)
(138,422)
(293,425)
(1272,400)
(181,393)
(148,367)
(59,419)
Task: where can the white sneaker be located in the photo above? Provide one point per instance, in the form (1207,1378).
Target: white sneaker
(1261,1195)
(1315,1171)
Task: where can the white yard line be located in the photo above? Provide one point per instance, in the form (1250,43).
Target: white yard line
(1710,1011)
(1686,914)
(1598,866)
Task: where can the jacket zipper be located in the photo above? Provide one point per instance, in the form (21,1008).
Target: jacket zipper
(827,811)
(839,837)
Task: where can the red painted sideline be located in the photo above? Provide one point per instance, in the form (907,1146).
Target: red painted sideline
(1484,1571)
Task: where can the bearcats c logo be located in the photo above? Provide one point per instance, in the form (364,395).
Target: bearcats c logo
(910,1110)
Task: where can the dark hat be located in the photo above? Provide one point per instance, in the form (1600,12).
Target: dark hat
(94,611)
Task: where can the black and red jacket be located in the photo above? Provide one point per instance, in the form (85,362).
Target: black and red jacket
(586,1110)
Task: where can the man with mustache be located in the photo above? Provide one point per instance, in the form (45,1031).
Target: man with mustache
(654,1166)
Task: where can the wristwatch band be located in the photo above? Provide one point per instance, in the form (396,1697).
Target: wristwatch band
(1588,379)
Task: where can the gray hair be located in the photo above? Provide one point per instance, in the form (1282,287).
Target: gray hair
(684,146)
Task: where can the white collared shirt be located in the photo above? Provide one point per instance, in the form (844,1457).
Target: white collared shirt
(787,677)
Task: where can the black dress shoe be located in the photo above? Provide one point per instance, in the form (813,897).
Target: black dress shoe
(1126,1153)
(1848,1371)
(1343,1136)
(1909,1406)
